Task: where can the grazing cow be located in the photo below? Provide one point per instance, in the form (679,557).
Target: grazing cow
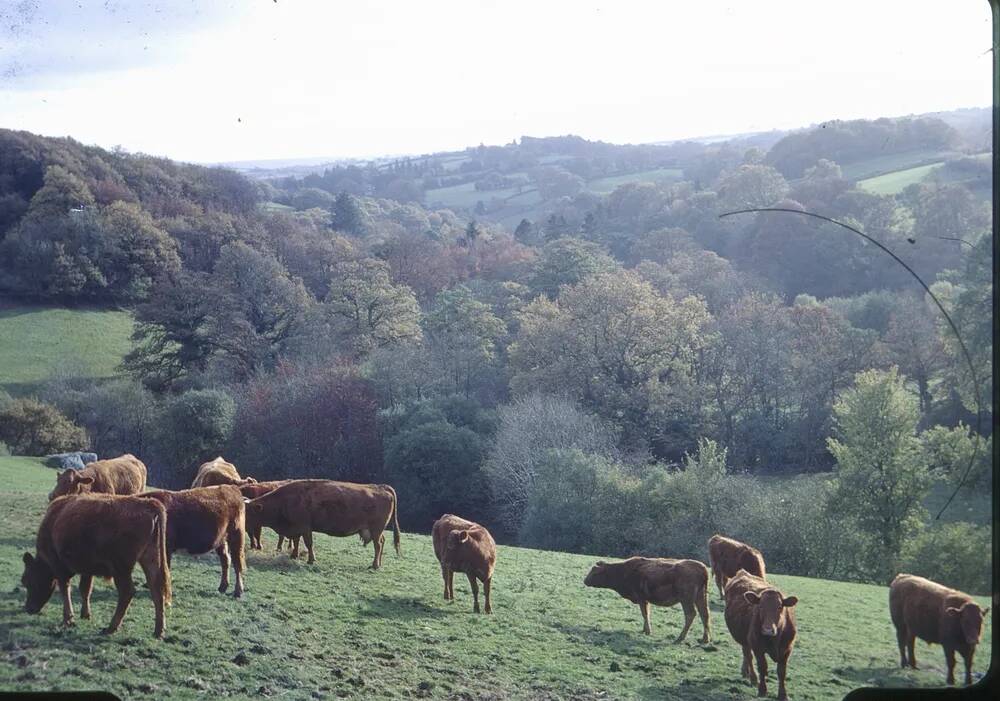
(761,620)
(99,535)
(217,472)
(727,557)
(252,491)
(335,508)
(122,475)
(660,581)
(204,519)
(924,609)
(464,546)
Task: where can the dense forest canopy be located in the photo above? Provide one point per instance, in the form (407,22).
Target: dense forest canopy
(345,324)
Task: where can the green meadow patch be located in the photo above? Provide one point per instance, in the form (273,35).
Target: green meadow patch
(337,630)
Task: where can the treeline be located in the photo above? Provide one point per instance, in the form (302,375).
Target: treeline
(362,338)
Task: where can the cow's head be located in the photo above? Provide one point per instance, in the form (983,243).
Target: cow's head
(456,539)
(39,582)
(597,576)
(770,605)
(248,480)
(69,482)
(970,618)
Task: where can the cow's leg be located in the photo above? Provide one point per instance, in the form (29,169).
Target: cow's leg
(86,586)
(719,583)
(688,608)
(66,589)
(378,543)
(762,672)
(644,610)
(281,539)
(748,670)
(782,669)
(154,578)
(474,583)
(236,540)
(910,644)
(901,636)
(126,590)
(223,552)
(702,603)
(444,576)
(487,587)
(967,658)
(949,658)
(450,584)
(308,538)
(294,542)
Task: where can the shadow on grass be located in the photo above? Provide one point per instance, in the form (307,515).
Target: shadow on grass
(701,690)
(636,643)
(894,677)
(403,608)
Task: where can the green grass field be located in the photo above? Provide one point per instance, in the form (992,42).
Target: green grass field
(891,183)
(334,629)
(37,341)
(882,165)
(606,185)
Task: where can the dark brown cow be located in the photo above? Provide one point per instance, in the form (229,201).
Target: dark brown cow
(336,508)
(727,557)
(204,519)
(761,620)
(124,475)
(924,609)
(465,546)
(660,581)
(218,472)
(258,489)
(99,535)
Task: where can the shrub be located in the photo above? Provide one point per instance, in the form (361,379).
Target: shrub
(193,427)
(4,450)
(436,468)
(955,554)
(32,427)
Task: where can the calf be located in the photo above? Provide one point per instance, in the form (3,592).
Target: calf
(924,609)
(727,557)
(204,519)
(659,581)
(761,620)
(464,546)
(104,536)
(124,475)
(336,508)
(218,472)
(258,489)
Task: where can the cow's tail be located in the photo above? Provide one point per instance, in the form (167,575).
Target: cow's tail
(395,521)
(160,535)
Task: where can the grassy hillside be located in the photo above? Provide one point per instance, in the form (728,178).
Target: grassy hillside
(881,165)
(36,341)
(891,183)
(334,629)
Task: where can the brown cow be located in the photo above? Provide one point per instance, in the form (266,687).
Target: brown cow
(660,581)
(217,472)
(727,557)
(761,620)
(924,609)
(125,475)
(335,508)
(99,535)
(258,489)
(204,519)
(465,546)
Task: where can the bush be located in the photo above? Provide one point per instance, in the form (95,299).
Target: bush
(32,427)
(957,555)
(435,468)
(193,427)
(4,450)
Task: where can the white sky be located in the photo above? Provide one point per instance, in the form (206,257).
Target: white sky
(367,77)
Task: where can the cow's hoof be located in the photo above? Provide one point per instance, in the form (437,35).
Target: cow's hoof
(677,641)
(706,641)
(239,593)
(85,615)
(222,588)
(69,624)
(108,631)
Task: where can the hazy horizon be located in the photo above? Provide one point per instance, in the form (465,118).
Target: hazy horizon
(269,81)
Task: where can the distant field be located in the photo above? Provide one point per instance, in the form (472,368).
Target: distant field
(334,629)
(891,183)
(604,185)
(275,207)
(465,195)
(882,165)
(36,341)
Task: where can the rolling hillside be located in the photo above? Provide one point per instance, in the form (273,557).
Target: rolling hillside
(334,629)
(37,341)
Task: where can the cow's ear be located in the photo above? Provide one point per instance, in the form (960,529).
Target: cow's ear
(464,537)
(84,480)
(601,563)
(245,500)
(952,611)
(28,558)
(789,601)
(751,597)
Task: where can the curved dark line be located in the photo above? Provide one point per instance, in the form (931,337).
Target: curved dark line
(954,328)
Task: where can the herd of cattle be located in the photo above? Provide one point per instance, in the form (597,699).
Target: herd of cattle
(101,522)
